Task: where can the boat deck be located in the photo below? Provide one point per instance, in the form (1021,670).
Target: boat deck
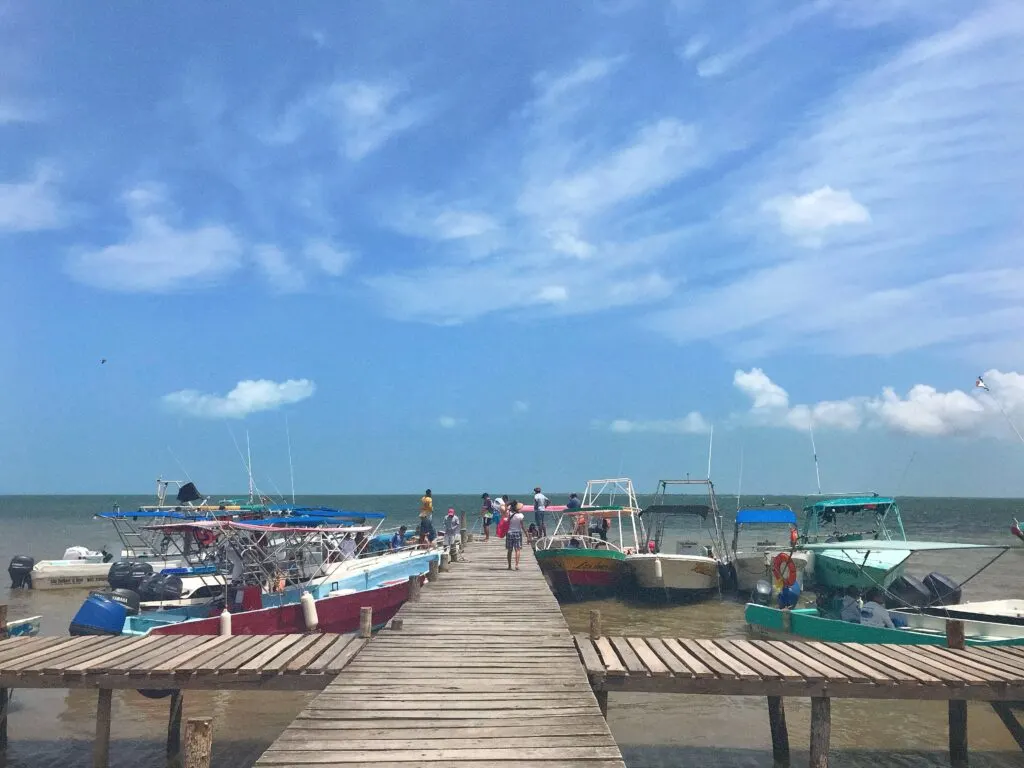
(484,674)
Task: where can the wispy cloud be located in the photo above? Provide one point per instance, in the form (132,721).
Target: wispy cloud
(32,205)
(692,423)
(247,397)
(281,273)
(521,406)
(806,217)
(450,422)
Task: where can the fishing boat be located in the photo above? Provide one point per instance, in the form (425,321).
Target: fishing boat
(80,568)
(28,627)
(764,543)
(992,623)
(696,567)
(1015,529)
(585,556)
(855,517)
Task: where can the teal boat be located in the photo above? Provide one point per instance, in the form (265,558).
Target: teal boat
(859,517)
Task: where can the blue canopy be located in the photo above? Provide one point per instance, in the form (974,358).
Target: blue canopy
(328,512)
(145,514)
(299,520)
(767,515)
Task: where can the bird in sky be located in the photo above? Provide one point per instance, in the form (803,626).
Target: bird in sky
(103,361)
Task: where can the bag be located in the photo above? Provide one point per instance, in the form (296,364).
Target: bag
(502,528)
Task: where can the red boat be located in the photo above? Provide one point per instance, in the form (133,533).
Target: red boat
(1015,529)
(339,613)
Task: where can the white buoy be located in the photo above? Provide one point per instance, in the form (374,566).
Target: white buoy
(225,622)
(657,569)
(309,611)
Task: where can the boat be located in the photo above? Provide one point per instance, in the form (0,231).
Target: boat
(80,568)
(988,623)
(585,556)
(28,627)
(1015,529)
(771,547)
(854,517)
(696,567)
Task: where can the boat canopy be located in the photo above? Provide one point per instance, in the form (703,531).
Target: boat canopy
(329,512)
(145,514)
(869,545)
(766,515)
(850,504)
(699,510)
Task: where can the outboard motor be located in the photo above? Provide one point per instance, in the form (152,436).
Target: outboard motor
(727,578)
(20,571)
(99,615)
(907,591)
(160,587)
(126,597)
(943,589)
(128,574)
(762,594)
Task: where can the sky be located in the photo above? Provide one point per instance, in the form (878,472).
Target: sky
(473,246)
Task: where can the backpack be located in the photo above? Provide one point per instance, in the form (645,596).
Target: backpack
(502,528)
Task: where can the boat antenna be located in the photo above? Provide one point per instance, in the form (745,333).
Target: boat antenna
(980,384)
(711,443)
(906,469)
(248,463)
(814,451)
(180,465)
(291,468)
(739,486)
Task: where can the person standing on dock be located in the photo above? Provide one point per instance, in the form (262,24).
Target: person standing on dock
(426,514)
(451,529)
(487,513)
(540,505)
(514,535)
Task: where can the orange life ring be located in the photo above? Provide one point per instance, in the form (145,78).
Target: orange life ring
(781,561)
(205,538)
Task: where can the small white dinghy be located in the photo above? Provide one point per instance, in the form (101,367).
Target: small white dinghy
(80,568)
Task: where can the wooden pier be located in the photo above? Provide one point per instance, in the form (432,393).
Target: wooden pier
(482,674)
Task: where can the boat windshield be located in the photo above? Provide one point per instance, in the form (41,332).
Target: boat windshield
(684,519)
(853,517)
(764,527)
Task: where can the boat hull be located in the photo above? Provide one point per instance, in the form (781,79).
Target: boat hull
(752,567)
(582,574)
(24,627)
(69,574)
(839,569)
(682,577)
(808,623)
(339,613)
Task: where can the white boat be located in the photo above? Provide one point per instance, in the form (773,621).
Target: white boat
(80,568)
(693,571)
(28,627)
(763,545)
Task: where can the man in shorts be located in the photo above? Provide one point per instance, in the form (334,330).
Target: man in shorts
(540,505)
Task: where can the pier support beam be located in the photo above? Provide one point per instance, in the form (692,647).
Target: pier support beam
(446,561)
(198,742)
(780,733)
(957,709)
(1009,719)
(174,730)
(5,700)
(821,731)
(414,588)
(432,570)
(602,701)
(101,747)
(366,622)
(595,625)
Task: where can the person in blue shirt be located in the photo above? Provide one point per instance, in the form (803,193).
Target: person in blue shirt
(574,502)
(398,540)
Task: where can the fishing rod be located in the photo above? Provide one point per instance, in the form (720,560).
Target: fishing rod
(980,384)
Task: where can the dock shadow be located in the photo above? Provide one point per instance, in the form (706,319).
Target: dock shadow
(652,756)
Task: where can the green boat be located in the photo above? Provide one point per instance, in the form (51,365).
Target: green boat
(859,517)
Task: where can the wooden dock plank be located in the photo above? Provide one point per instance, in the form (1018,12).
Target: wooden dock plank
(612,665)
(625,652)
(648,657)
(668,658)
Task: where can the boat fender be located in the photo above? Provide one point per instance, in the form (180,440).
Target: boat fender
(793,536)
(225,621)
(20,571)
(784,569)
(657,569)
(309,612)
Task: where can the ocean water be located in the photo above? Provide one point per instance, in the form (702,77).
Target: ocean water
(55,727)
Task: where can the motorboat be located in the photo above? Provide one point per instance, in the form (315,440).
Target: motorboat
(79,568)
(585,556)
(764,544)
(695,568)
(27,627)
(851,518)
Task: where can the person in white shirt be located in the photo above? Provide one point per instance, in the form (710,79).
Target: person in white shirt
(540,504)
(514,535)
(873,612)
(850,610)
(348,547)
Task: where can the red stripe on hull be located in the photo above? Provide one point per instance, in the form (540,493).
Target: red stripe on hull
(335,614)
(606,579)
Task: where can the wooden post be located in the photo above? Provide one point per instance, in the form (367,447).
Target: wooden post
(3,621)
(174,729)
(1010,721)
(957,708)
(396,624)
(414,588)
(821,731)
(101,747)
(365,622)
(432,571)
(595,625)
(446,562)
(463,530)
(780,733)
(787,621)
(198,742)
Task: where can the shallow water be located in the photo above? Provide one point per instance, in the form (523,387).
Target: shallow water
(55,727)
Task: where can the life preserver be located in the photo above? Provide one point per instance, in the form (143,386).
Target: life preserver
(784,569)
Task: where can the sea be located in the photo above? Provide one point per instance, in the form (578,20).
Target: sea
(55,727)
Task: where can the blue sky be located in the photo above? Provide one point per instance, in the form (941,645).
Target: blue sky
(488,245)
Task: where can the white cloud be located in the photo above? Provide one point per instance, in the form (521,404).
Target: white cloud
(692,423)
(14,112)
(553,294)
(553,88)
(923,411)
(693,47)
(328,259)
(247,397)
(521,406)
(281,273)
(807,216)
(450,422)
(33,205)
(157,256)
(459,225)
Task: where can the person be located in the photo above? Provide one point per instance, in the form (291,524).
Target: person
(451,528)
(873,612)
(487,513)
(850,609)
(514,535)
(398,540)
(573,502)
(348,547)
(540,505)
(532,534)
(426,513)
(361,543)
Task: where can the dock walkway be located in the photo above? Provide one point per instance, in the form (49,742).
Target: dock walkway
(483,674)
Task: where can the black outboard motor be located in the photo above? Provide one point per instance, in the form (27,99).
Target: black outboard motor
(128,574)
(762,592)
(126,597)
(909,591)
(20,571)
(160,587)
(943,589)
